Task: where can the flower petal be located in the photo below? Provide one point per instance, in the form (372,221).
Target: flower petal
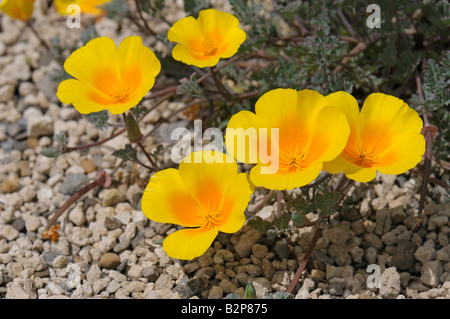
(232,217)
(394,159)
(186,32)
(95,64)
(208,177)
(223,30)
(231,43)
(328,136)
(241,137)
(352,171)
(181,53)
(166,200)
(189,243)
(212,21)
(347,104)
(292,112)
(81,96)
(285,180)
(22,10)
(383,117)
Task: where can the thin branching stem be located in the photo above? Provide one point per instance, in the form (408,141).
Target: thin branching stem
(141,16)
(29,24)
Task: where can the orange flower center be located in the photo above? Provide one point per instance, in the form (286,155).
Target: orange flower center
(292,161)
(208,47)
(211,221)
(120,95)
(361,156)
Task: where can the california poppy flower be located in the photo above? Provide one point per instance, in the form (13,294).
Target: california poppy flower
(109,78)
(18,9)
(296,131)
(385,137)
(204,41)
(206,194)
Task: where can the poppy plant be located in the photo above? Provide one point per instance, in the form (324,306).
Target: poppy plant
(206,194)
(385,137)
(18,9)
(309,132)
(204,41)
(109,78)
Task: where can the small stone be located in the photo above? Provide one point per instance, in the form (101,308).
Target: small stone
(60,261)
(191,267)
(426,252)
(372,240)
(379,203)
(150,273)
(24,168)
(10,184)
(73,183)
(281,249)
(113,197)
(49,257)
(32,223)
(244,246)
(437,221)
(227,286)
(191,287)
(336,287)
(215,292)
(390,284)
(222,256)
(164,281)
(135,271)
(88,165)
(383,221)
(8,232)
(121,246)
(336,234)
(134,195)
(109,261)
(398,214)
(339,253)
(319,274)
(39,126)
(112,223)
(431,272)
(77,215)
(403,257)
(350,213)
(267,269)
(259,251)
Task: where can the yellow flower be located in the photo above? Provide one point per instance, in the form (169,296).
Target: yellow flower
(385,137)
(309,133)
(86,6)
(18,9)
(107,77)
(204,41)
(205,194)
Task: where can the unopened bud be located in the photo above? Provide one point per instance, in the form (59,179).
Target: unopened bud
(298,219)
(133,130)
(250,292)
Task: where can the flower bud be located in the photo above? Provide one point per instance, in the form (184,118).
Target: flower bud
(133,130)
(298,219)
(250,292)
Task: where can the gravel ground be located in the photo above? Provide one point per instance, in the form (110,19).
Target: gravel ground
(107,248)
